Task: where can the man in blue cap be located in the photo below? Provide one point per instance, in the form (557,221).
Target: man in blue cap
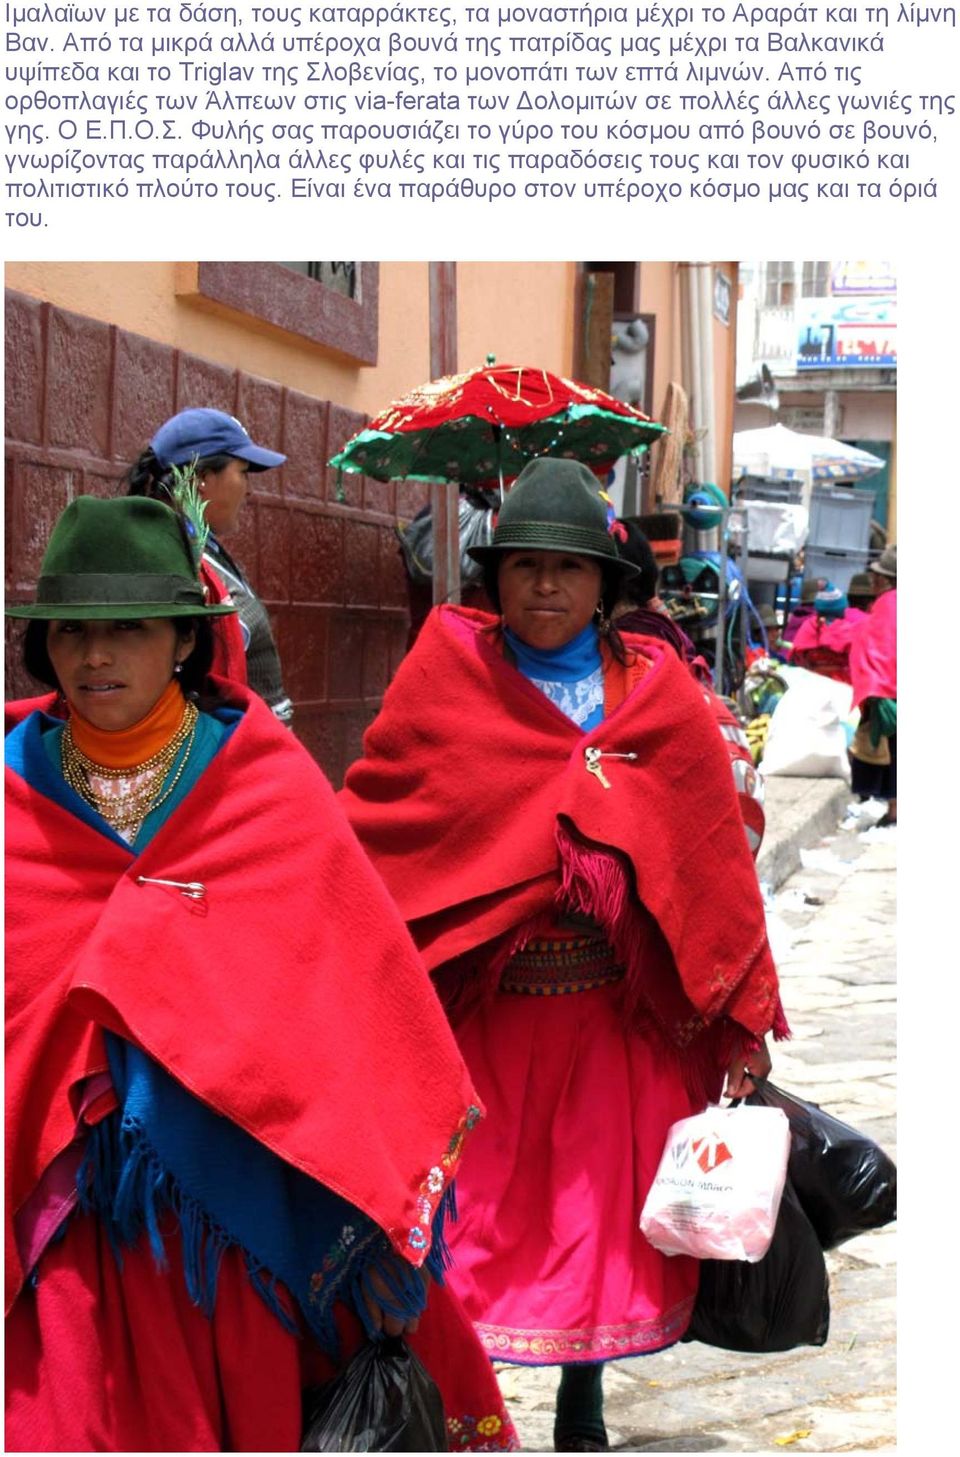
(222,455)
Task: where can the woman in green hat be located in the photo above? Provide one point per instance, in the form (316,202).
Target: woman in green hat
(551,805)
(211,1191)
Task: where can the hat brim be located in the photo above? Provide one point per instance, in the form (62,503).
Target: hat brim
(483,554)
(881,571)
(259,458)
(112,611)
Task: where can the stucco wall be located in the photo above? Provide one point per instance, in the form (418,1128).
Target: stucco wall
(523,313)
(156,299)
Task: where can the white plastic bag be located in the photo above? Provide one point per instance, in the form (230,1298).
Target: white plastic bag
(807,736)
(717,1191)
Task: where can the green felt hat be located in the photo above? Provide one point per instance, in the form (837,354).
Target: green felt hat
(126,557)
(555,505)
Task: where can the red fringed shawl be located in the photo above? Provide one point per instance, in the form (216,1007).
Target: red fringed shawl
(873,654)
(474,802)
(290,999)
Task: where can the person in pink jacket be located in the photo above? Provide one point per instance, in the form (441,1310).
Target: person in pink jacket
(873,673)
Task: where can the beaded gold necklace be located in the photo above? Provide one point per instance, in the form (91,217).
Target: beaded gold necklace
(126,807)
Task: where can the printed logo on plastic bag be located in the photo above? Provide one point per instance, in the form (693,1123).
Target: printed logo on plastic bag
(717,1190)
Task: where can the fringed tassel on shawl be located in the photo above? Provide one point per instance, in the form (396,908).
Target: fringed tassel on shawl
(781,1027)
(596,884)
(123,1182)
(440,1259)
(270,1292)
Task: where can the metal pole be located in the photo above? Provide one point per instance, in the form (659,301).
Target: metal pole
(721,602)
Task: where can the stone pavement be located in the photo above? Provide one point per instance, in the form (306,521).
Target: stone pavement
(832,928)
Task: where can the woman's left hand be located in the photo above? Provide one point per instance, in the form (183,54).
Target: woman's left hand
(380,1318)
(742,1065)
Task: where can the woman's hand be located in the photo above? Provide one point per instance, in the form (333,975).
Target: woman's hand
(380,1319)
(742,1065)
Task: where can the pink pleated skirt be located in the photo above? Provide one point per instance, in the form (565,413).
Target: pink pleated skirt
(549,1260)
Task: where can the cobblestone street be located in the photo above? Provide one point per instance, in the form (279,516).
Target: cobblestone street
(832,930)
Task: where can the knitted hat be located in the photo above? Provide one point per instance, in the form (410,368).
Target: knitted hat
(126,557)
(830,601)
(554,505)
(886,565)
(194,434)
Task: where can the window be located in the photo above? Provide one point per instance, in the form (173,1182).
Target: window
(332,304)
(343,278)
(816,280)
(777,285)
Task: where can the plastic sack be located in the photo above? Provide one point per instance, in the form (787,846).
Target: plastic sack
(779,1302)
(384,1401)
(807,735)
(475,527)
(777,527)
(717,1190)
(845,1182)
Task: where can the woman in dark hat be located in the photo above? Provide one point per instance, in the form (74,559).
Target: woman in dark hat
(805,608)
(222,456)
(861,593)
(211,1190)
(551,806)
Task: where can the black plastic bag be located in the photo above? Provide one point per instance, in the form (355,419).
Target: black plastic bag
(845,1183)
(384,1401)
(774,1304)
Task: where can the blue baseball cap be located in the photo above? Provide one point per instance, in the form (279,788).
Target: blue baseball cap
(194,434)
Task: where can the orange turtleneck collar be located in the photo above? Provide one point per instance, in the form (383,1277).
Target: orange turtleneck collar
(125,748)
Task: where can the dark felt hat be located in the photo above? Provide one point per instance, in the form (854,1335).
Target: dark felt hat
(861,585)
(126,557)
(555,505)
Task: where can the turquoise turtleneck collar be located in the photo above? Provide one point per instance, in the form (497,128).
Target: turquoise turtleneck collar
(571,676)
(567,664)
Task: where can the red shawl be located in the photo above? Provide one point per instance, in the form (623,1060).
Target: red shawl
(474,802)
(836,634)
(873,655)
(290,999)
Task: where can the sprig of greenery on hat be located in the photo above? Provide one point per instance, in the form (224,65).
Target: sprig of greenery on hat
(187,500)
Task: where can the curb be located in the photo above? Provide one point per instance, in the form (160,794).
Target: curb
(799,813)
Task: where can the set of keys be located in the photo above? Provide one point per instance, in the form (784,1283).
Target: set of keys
(593,757)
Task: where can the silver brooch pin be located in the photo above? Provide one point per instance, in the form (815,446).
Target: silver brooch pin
(190,888)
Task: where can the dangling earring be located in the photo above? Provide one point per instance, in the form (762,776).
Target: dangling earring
(603,623)
(178,667)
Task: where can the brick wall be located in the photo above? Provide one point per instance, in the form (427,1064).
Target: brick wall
(83,399)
